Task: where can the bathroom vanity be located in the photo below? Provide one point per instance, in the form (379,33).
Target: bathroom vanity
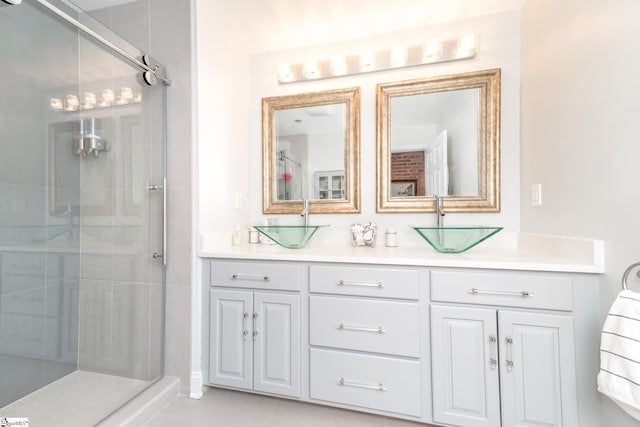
(494,337)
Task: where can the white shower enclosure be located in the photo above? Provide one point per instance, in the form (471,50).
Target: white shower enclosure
(82,197)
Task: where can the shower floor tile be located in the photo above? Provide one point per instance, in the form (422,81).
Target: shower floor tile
(79,399)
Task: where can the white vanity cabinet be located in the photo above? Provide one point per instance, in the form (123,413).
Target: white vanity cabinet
(365,332)
(511,363)
(447,346)
(255,327)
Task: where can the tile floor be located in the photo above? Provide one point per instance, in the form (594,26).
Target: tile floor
(225,408)
(79,399)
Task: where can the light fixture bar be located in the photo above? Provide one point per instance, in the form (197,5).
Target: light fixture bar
(400,56)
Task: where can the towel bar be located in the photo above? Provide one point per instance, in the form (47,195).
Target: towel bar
(626,274)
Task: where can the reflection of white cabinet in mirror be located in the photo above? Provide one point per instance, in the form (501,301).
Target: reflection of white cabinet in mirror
(329,185)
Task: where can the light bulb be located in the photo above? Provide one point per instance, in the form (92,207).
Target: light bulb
(310,69)
(284,73)
(432,50)
(399,56)
(338,66)
(367,61)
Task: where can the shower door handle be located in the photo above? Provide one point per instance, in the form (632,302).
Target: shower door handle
(164,221)
(162,187)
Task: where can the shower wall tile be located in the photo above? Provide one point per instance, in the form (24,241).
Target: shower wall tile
(22,204)
(130,330)
(178,333)
(156,324)
(95,352)
(96,266)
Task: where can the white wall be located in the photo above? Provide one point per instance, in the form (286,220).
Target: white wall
(499,48)
(580,92)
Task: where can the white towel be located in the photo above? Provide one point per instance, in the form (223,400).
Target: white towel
(619,376)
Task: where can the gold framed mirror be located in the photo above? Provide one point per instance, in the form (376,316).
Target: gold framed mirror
(311,150)
(439,136)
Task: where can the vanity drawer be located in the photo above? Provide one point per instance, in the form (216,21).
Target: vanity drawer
(365,281)
(389,327)
(512,290)
(375,382)
(257,275)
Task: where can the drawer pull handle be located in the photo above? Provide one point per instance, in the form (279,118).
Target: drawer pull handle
(241,277)
(379,387)
(365,284)
(496,292)
(343,327)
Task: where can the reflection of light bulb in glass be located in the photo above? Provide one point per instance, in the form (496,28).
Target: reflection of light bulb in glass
(56,104)
(126,93)
(72,103)
(88,100)
(108,95)
(137,97)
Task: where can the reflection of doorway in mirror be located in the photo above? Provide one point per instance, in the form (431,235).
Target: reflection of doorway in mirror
(436,166)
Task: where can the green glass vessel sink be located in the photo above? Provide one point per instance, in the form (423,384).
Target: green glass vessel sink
(289,236)
(454,240)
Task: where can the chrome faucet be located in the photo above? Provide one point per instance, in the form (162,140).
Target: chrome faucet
(439,211)
(305,212)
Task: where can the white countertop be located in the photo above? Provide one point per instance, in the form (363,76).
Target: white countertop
(519,251)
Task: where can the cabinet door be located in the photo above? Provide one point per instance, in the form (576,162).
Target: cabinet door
(464,366)
(277,343)
(230,347)
(537,372)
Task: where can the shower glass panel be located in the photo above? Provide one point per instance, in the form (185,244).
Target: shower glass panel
(81,217)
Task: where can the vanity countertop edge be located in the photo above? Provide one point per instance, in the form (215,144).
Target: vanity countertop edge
(531,252)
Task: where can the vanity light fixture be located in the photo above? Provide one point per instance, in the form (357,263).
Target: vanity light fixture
(400,56)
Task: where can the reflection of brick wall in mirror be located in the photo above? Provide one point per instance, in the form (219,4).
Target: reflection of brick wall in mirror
(408,166)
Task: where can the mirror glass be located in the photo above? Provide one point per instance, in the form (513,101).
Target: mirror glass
(439,136)
(311,151)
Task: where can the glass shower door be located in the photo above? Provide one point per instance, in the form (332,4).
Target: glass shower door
(81,219)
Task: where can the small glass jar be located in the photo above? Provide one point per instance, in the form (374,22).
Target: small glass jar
(391,238)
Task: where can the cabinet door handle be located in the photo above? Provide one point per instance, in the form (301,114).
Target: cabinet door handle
(493,343)
(255,326)
(241,277)
(379,386)
(245,331)
(344,327)
(498,292)
(509,342)
(365,284)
